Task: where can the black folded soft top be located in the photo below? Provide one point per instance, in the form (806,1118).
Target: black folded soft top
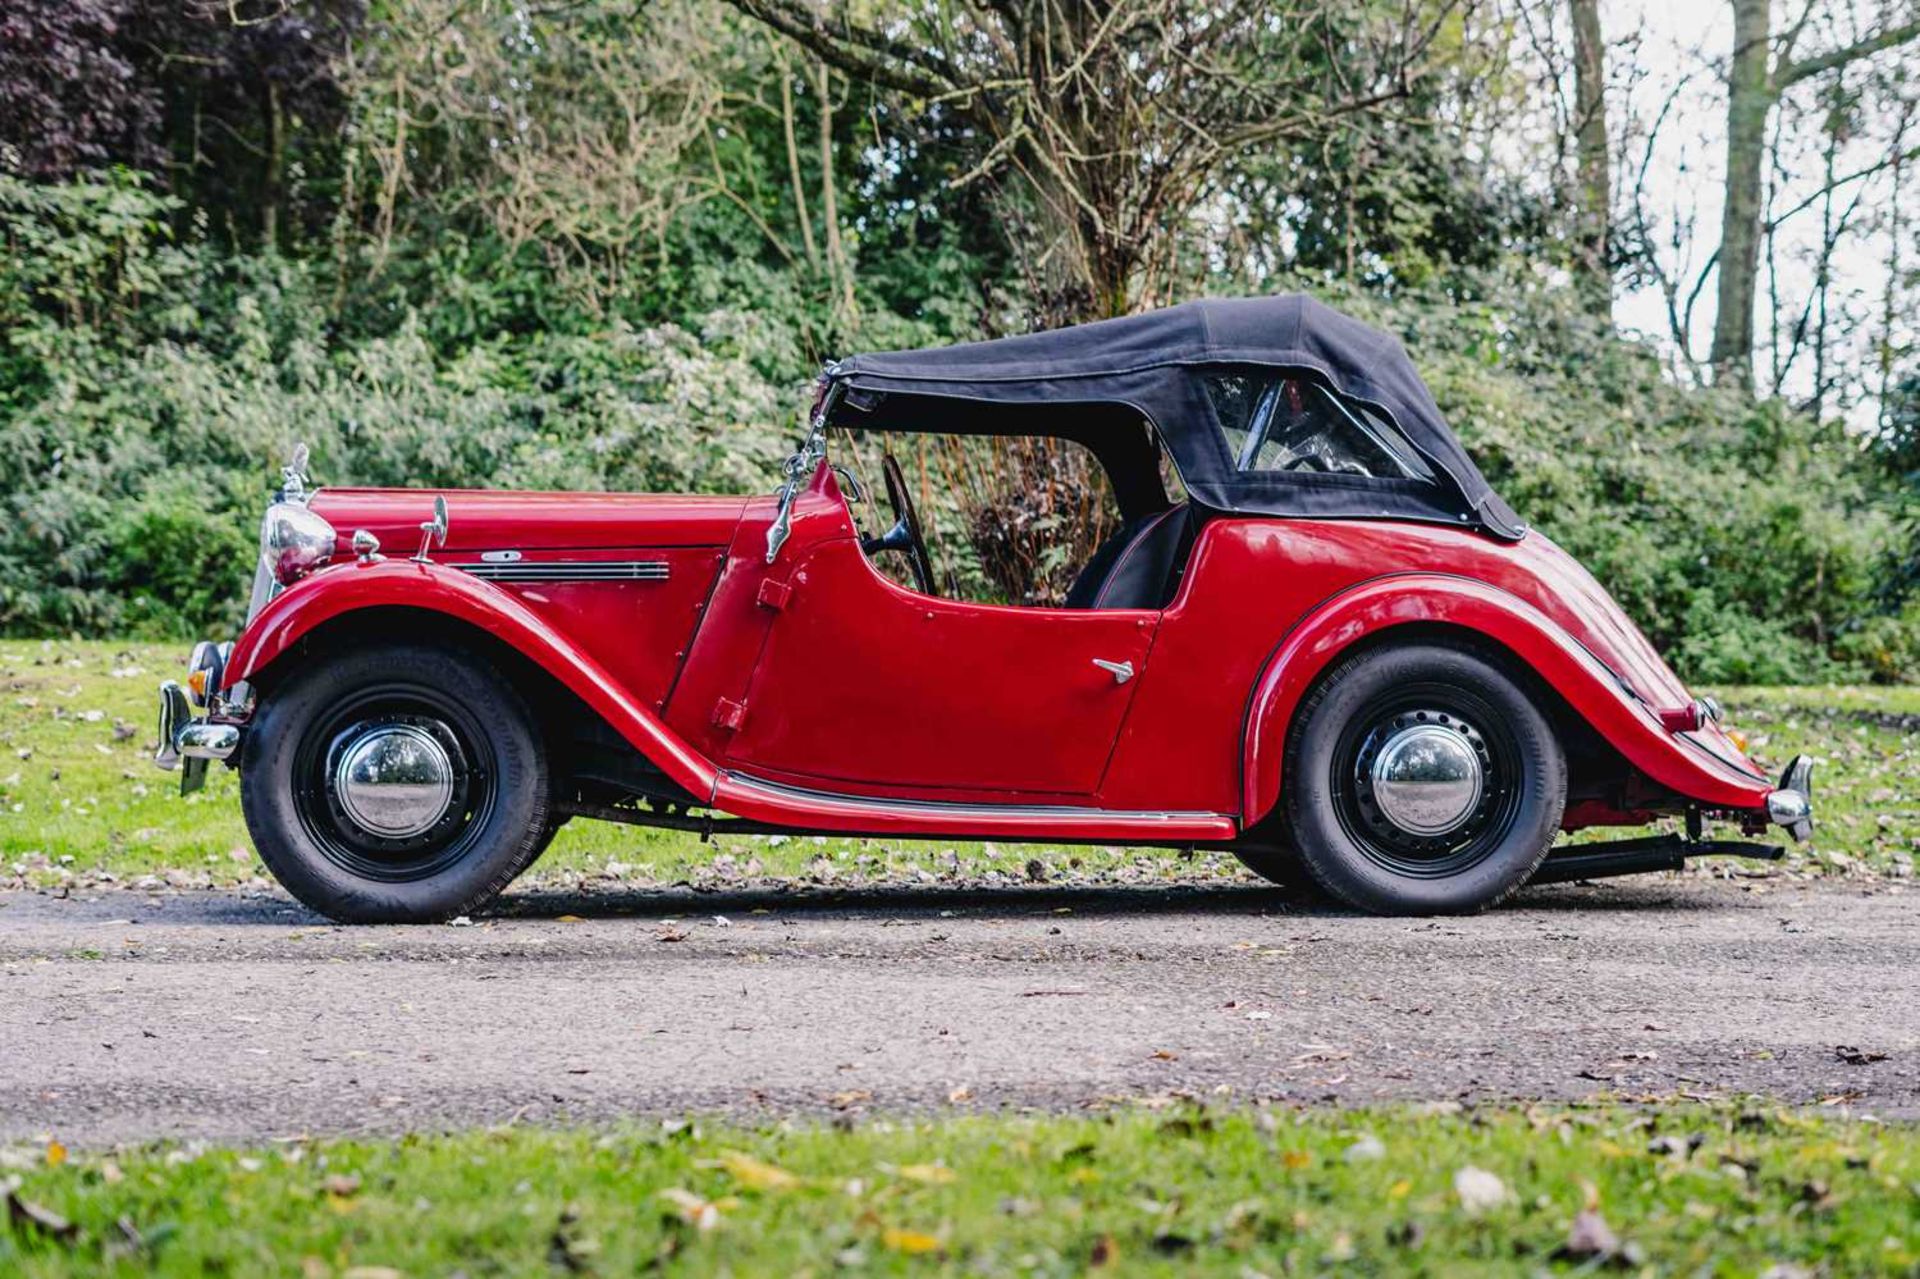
(1158,363)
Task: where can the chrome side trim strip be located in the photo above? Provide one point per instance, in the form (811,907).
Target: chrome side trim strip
(569,570)
(951,808)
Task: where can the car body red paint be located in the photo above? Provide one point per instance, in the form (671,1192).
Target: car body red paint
(816,694)
(1316,633)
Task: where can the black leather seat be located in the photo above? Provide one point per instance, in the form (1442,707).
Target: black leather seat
(1140,565)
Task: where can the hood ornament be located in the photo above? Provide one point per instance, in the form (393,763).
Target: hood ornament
(293,477)
(433,532)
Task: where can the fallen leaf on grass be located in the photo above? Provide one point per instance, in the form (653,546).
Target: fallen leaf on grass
(1366,1149)
(135,1242)
(701,1214)
(930,1174)
(1479,1190)
(911,1242)
(756,1174)
(25,1212)
(1676,1147)
(1589,1238)
(342,1184)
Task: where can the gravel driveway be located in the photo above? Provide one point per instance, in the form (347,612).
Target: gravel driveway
(125,1016)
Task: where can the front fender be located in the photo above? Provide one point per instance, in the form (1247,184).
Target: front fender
(436,588)
(1366,610)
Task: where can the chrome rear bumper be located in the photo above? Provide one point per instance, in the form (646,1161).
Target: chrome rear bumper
(1790,804)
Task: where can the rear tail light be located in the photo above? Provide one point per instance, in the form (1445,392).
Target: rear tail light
(1694,715)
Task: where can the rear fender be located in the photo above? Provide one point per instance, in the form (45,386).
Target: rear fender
(1589,688)
(334,592)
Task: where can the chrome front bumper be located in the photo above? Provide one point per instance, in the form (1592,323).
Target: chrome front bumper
(188,743)
(1790,804)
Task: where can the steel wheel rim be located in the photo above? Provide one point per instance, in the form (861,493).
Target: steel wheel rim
(336,824)
(1487,820)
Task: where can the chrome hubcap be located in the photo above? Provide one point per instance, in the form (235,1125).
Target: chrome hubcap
(394,781)
(1427,779)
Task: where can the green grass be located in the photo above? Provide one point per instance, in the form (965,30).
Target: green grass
(79,798)
(1234,1192)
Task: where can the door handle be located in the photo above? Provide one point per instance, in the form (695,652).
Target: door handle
(1121,671)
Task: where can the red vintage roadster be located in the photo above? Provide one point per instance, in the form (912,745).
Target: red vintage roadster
(1316,637)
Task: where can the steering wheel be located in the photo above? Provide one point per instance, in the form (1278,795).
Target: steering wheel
(905,535)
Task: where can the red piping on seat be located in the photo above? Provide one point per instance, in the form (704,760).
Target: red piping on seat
(1132,546)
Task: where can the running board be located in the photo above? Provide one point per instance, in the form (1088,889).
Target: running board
(776,804)
(1641,856)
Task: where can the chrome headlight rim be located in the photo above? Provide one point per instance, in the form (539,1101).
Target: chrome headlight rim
(294,541)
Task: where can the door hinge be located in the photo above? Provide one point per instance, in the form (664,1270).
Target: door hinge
(774,594)
(729,714)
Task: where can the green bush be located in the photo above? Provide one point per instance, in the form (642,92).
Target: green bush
(140,450)
(1886,646)
(177,568)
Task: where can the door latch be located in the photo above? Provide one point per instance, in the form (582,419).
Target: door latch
(1121,671)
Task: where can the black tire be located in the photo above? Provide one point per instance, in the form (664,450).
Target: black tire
(492,825)
(1268,851)
(1346,838)
(1283,868)
(545,840)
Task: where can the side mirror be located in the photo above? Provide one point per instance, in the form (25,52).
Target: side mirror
(434,531)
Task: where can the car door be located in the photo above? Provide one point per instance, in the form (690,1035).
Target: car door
(863,681)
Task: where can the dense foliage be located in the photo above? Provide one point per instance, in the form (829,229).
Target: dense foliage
(604,246)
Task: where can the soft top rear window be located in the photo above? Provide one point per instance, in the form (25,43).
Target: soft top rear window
(1278,421)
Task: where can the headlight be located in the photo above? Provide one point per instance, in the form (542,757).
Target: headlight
(294,542)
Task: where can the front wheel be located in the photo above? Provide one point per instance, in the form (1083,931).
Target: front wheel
(1422,779)
(396,783)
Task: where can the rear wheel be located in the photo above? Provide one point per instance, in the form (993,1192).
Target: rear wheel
(1422,779)
(397,783)
(1279,866)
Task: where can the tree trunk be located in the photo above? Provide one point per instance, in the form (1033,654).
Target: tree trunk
(276,163)
(793,160)
(1595,192)
(1750,98)
(839,270)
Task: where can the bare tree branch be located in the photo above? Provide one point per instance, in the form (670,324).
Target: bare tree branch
(1786,75)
